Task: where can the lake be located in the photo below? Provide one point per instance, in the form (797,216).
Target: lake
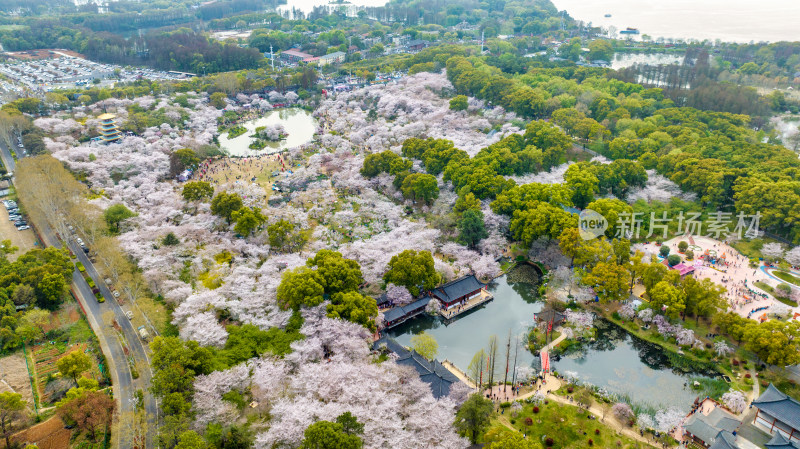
(299,124)
(626,365)
(727,20)
(615,361)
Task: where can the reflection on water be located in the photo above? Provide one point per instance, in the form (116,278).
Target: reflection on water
(515,302)
(299,124)
(626,365)
(615,360)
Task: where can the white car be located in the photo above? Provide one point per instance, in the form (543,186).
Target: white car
(22,228)
(129,314)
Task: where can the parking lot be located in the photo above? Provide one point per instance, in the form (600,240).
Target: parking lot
(24,240)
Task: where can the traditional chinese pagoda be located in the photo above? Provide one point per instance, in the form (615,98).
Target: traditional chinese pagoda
(109,132)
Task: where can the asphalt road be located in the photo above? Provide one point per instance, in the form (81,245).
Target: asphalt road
(8,160)
(111,344)
(125,385)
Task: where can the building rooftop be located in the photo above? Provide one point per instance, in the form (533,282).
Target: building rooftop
(106,116)
(779,441)
(458,288)
(399,312)
(297,53)
(439,378)
(708,427)
(780,406)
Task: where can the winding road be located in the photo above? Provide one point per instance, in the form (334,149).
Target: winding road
(113,343)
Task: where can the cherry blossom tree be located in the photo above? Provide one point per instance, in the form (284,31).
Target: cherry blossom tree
(646,315)
(668,419)
(735,401)
(627,311)
(793,256)
(773,250)
(622,412)
(722,349)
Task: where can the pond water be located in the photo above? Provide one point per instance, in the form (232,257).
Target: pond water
(299,124)
(515,301)
(626,365)
(615,361)
(623,60)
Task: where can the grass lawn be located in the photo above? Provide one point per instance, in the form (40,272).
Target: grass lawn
(768,288)
(780,381)
(785,276)
(568,426)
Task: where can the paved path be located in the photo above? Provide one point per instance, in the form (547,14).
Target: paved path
(555,342)
(554,384)
(124,384)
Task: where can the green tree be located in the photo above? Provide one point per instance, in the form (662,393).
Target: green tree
(175,364)
(413,270)
(73,364)
(191,440)
(170,239)
(611,209)
(600,49)
(339,274)
(115,214)
(471,229)
(197,191)
(465,202)
(50,290)
(609,280)
(665,296)
(354,307)
(217,100)
(459,103)
(703,298)
(12,409)
(225,204)
(583,183)
(247,220)
(333,435)
(473,417)
(285,236)
(775,342)
(301,287)
(420,187)
(541,220)
(180,160)
(425,344)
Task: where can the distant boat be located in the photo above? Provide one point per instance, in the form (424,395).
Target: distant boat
(629,30)
(607,15)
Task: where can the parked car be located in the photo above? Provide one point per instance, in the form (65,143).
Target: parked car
(129,314)
(22,228)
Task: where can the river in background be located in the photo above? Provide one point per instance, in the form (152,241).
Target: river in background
(727,20)
(623,60)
